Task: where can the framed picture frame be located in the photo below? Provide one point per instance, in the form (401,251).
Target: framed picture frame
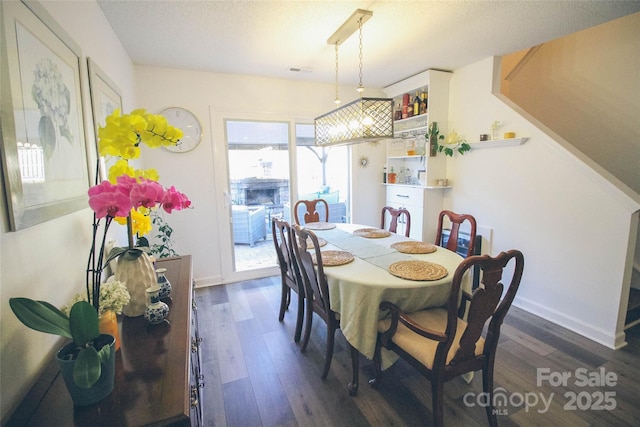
(43,133)
(106,97)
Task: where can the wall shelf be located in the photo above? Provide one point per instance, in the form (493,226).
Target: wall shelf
(498,143)
(427,187)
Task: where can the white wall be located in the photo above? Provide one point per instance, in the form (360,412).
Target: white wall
(200,173)
(572,225)
(48,261)
(583,98)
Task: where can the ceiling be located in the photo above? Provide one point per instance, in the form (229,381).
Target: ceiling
(402,38)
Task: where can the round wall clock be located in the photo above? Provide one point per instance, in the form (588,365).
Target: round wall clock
(190,126)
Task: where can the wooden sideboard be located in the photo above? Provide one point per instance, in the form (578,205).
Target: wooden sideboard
(158,378)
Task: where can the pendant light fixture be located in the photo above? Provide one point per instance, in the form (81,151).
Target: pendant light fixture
(363,120)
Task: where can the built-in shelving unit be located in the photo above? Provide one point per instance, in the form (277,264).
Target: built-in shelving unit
(498,143)
(417,175)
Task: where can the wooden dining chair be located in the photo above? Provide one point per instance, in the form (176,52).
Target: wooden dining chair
(456,221)
(316,290)
(396,215)
(440,344)
(289,273)
(317,210)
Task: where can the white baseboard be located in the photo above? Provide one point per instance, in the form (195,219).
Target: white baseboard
(614,341)
(203,282)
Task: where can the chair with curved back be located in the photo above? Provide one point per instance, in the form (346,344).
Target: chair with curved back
(289,274)
(316,290)
(313,211)
(456,221)
(441,345)
(400,214)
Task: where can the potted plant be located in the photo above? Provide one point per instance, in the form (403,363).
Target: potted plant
(448,146)
(81,361)
(129,196)
(112,299)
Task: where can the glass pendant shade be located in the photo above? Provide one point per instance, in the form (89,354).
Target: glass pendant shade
(363,120)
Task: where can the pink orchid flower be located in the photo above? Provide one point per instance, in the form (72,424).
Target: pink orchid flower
(146,193)
(107,199)
(125,183)
(175,200)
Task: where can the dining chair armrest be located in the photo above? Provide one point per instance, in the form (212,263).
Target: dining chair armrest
(397,315)
(395,312)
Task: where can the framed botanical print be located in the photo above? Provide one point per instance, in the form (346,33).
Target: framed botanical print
(43,135)
(105,99)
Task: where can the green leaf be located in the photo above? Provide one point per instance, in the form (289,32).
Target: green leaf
(104,354)
(132,254)
(41,316)
(87,369)
(83,321)
(114,253)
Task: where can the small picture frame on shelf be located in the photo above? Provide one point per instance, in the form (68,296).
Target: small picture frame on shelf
(422,177)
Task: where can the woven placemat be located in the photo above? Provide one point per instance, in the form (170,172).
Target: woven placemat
(371,233)
(333,258)
(414,247)
(418,270)
(319,225)
(321,242)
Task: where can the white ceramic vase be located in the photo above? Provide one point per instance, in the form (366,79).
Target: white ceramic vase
(138,275)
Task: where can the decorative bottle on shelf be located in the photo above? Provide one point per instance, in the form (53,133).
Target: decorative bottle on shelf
(405,106)
(416,104)
(384,174)
(163,282)
(398,115)
(424,105)
(391,177)
(156,311)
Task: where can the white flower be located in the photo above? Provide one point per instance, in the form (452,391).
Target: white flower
(113,296)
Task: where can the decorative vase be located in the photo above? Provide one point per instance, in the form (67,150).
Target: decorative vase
(102,388)
(156,310)
(109,325)
(138,275)
(163,282)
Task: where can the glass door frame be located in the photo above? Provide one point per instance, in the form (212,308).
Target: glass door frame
(222,198)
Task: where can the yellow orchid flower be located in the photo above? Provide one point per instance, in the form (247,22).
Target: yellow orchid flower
(140,224)
(121,167)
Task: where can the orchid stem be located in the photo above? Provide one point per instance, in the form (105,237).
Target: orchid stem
(130,231)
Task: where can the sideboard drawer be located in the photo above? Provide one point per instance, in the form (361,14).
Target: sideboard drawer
(405,195)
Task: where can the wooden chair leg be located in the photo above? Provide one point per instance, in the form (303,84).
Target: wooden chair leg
(437,403)
(299,318)
(355,371)
(284,301)
(331,333)
(377,365)
(307,324)
(487,387)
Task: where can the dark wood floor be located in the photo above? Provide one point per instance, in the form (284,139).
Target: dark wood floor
(255,374)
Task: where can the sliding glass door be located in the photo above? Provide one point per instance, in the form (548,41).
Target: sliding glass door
(323,172)
(258,159)
(272,163)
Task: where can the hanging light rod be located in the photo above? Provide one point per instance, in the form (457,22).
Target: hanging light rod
(349,27)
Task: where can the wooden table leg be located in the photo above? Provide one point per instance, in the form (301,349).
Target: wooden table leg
(355,368)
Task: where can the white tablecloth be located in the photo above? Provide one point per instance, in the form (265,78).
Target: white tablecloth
(357,289)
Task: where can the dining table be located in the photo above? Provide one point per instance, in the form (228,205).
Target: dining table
(357,288)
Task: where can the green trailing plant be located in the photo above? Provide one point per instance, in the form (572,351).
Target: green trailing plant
(438,144)
(164,248)
(81,326)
